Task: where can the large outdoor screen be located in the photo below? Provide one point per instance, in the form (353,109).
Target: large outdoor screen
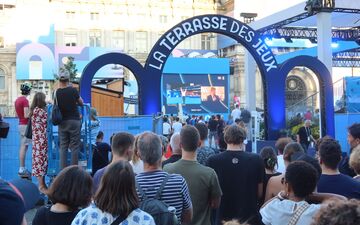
(195,93)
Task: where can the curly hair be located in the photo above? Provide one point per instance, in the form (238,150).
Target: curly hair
(338,213)
(355,159)
(302,177)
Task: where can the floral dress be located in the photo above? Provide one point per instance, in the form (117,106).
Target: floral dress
(39,142)
(93,215)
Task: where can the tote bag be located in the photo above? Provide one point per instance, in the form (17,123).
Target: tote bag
(56,116)
(28,131)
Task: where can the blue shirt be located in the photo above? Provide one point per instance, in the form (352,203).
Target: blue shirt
(203,153)
(339,184)
(97,178)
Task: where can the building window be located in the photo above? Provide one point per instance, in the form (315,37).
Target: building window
(205,41)
(95,38)
(94,16)
(118,39)
(70,39)
(70,15)
(186,43)
(141,41)
(163,19)
(1,42)
(2,79)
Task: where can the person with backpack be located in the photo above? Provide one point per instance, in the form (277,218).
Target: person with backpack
(161,194)
(115,203)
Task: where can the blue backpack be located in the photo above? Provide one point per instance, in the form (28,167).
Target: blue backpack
(159,210)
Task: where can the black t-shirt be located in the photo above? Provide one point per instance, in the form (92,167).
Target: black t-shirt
(67,99)
(221,126)
(100,156)
(239,175)
(213,125)
(44,216)
(304,133)
(172,159)
(266,181)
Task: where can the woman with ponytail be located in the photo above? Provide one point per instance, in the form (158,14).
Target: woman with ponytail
(270,161)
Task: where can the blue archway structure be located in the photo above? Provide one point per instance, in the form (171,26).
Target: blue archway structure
(149,77)
(325,85)
(109,58)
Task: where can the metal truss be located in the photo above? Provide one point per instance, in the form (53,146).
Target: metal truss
(284,22)
(302,16)
(345,63)
(351,34)
(347,59)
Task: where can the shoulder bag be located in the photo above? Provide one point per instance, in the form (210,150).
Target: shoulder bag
(118,220)
(56,116)
(28,130)
(298,212)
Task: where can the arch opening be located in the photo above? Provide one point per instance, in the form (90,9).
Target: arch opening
(325,90)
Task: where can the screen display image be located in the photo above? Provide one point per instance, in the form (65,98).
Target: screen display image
(195,93)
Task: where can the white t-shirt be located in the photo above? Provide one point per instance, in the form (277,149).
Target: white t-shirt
(138,167)
(235,114)
(281,164)
(279,212)
(177,127)
(166,128)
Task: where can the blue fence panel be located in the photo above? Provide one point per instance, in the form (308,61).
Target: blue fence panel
(9,152)
(9,147)
(133,125)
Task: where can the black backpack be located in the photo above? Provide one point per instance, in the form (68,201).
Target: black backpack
(159,210)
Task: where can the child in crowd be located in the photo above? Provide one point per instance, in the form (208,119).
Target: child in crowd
(136,163)
(299,182)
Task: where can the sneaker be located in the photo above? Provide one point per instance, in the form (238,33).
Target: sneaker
(25,174)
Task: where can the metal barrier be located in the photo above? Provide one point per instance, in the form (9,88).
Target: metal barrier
(9,147)
(85,153)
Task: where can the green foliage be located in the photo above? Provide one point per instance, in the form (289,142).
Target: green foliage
(69,66)
(315,130)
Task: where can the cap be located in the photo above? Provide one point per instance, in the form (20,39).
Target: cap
(17,196)
(64,75)
(93,113)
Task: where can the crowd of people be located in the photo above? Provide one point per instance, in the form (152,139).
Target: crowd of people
(196,172)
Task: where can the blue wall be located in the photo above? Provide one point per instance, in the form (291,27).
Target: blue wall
(342,122)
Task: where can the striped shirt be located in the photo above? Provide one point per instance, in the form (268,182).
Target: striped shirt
(175,192)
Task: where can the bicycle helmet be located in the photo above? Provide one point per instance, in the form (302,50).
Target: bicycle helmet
(25,88)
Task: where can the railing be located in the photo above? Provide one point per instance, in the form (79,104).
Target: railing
(302,106)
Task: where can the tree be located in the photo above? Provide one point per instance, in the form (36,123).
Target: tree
(70,66)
